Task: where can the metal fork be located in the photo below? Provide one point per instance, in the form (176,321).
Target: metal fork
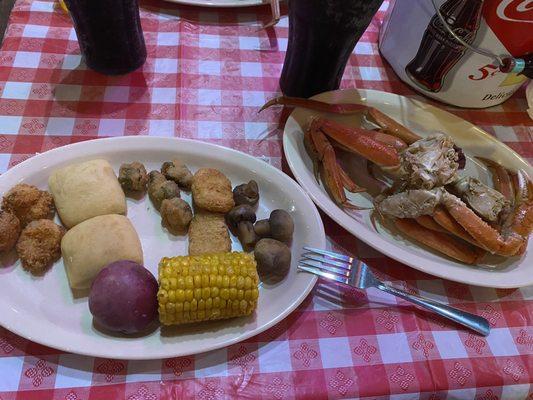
(353,272)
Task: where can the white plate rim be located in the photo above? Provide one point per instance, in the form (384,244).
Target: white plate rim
(375,240)
(16,325)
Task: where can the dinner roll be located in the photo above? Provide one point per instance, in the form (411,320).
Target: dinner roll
(91,245)
(85,190)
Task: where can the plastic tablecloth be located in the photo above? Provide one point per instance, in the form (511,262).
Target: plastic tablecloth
(207,72)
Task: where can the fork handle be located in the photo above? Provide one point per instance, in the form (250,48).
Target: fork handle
(472,321)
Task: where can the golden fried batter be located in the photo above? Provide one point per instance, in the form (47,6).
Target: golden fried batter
(29,203)
(39,245)
(208,233)
(9,231)
(211,191)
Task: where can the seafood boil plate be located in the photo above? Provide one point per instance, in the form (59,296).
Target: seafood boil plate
(424,120)
(43,308)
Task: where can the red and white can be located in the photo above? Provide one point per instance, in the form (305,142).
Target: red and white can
(426,56)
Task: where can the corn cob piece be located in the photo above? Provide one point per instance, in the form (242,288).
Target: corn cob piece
(206,287)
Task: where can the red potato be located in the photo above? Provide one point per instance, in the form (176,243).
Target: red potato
(123,297)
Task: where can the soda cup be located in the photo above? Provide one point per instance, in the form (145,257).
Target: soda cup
(109,34)
(322,35)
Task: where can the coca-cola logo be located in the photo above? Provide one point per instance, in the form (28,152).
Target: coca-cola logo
(516,10)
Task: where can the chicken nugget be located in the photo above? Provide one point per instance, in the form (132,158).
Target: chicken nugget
(39,245)
(28,203)
(208,233)
(211,191)
(9,231)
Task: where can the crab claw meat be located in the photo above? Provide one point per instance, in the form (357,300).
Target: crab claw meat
(485,201)
(409,204)
(429,162)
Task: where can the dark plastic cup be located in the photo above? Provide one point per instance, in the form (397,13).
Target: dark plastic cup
(322,35)
(109,33)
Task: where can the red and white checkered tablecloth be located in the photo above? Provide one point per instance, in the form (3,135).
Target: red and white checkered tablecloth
(206,74)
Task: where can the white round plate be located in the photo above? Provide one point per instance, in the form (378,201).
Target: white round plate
(43,309)
(423,119)
(221,3)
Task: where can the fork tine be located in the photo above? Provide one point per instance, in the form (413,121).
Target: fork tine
(322,259)
(326,268)
(326,275)
(331,254)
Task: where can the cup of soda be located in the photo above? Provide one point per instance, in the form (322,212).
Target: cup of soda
(322,35)
(109,34)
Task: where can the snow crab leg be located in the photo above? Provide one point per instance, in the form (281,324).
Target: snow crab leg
(326,165)
(501,178)
(386,123)
(515,230)
(442,242)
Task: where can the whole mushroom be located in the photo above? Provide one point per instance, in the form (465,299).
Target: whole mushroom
(241,220)
(247,193)
(281,225)
(273,259)
(262,228)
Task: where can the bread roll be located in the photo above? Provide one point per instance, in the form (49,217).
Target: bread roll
(85,190)
(91,245)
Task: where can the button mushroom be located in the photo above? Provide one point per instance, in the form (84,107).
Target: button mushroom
(241,220)
(176,215)
(247,235)
(247,193)
(262,228)
(273,259)
(281,225)
(178,172)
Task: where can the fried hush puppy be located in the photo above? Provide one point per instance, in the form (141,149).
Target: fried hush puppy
(28,203)
(211,191)
(39,245)
(9,231)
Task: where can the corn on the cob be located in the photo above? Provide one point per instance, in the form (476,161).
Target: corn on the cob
(206,287)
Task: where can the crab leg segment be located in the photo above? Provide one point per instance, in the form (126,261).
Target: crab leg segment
(500,176)
(390,126)
(322,152)
(315,105)
(482,232)
(439,241)
(443,218)
(356,140)
(427,222)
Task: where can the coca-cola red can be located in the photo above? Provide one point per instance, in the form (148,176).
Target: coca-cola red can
(425,55)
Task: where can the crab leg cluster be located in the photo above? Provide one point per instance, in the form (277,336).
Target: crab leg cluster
(459,217)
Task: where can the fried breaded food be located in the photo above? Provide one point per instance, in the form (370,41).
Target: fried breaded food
(133,177)
(9,231)
(28,203)
(208,234)
(39,245)
(211,191)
